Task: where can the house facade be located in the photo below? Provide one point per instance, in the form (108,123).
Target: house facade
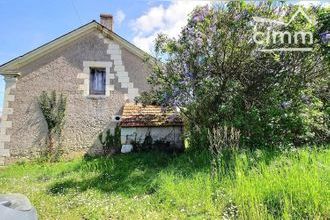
(98,72)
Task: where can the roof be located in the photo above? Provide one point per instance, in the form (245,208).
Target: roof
(137,115)
(11,67)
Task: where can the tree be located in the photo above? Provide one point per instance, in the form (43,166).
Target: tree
(216,75)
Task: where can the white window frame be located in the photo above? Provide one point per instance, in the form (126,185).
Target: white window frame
(87,65)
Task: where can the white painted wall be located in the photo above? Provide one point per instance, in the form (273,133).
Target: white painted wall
(171,134)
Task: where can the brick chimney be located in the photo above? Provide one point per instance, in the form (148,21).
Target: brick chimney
(107,21)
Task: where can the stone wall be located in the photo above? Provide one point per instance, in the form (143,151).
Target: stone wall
(63,70)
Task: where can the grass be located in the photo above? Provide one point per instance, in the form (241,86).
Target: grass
(259,185)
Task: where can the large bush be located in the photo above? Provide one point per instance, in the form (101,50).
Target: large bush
(215,74)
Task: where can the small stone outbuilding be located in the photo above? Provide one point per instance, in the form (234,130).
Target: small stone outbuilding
(138,121)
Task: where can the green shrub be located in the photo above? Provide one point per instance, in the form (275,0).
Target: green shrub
(146,145)
(111,143)
(53,108)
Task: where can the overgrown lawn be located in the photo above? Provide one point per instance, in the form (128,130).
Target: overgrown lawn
(259,184)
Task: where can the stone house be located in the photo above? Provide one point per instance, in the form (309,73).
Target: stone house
(161,125)
(95,68)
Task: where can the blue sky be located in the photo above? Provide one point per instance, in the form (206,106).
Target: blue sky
(27,24)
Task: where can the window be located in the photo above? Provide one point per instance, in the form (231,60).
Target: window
(97,81)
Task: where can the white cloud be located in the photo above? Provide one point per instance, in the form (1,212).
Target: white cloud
(120,16)
(160,19)
(308,3)
(150,21)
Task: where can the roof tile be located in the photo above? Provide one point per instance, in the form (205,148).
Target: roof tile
(137,115)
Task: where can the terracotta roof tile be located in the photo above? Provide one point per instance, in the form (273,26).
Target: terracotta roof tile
(136,115)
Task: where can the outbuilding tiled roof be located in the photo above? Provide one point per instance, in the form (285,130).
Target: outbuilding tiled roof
(136,115)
